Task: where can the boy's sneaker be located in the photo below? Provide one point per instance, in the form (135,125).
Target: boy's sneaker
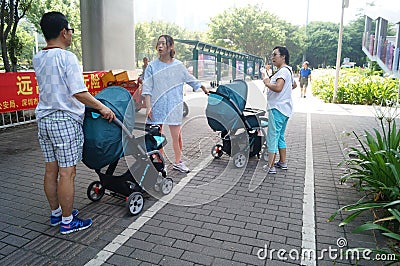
(75,225)
(181,167)
(283,166)
(56,220)
(270,170)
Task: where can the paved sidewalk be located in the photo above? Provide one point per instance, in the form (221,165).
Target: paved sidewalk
(201,226)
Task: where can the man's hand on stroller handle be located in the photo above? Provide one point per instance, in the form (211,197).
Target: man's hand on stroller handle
(107,113)
(87,99)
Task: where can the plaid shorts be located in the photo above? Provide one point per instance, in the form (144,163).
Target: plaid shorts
(61,139)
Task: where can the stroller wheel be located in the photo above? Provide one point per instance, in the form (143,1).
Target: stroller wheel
(265,156)
(239,159)
(135,203)
(95,191)
(164,173)
(185,109)
(160,180)
(167,185)
(216,151)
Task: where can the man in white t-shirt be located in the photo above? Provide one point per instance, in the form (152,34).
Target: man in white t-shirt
(60,112)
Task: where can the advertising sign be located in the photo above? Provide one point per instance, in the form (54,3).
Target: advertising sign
(19,90)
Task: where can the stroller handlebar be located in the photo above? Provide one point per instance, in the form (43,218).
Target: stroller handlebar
(124,128)
(116,121)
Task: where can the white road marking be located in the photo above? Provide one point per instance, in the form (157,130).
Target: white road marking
(118,241)
(308,231)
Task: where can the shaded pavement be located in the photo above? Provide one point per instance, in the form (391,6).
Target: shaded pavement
(237,228)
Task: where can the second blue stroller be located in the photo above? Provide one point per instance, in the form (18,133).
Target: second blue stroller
(241,129)
(105,143)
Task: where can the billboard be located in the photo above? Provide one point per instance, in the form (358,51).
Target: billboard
(19,90)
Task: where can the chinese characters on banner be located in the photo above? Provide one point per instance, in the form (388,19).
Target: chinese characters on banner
(19,90)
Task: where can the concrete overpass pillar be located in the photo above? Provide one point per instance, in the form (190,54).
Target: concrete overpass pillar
(108,34)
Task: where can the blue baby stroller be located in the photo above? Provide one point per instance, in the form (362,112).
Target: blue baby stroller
(105,143)
(241,129)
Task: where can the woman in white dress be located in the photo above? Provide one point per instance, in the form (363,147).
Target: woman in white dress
(163,91)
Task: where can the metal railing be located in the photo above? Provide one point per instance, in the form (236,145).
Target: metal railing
(17,118)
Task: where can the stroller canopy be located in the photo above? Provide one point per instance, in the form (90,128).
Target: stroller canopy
(223,113)
(103,140)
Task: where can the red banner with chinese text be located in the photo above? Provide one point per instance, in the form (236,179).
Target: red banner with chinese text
(19,90)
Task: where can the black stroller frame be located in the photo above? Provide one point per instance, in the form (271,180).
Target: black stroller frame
(127,187)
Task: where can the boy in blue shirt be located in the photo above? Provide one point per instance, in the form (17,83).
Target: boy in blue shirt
(305,74)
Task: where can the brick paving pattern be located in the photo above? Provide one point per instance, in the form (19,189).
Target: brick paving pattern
(227,230)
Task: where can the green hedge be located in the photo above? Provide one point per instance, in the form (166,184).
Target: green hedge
(355,86)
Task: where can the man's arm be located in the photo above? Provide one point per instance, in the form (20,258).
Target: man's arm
(87,99)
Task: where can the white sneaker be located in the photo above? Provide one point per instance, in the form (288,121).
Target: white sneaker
(181,167)
(270,170)
(283,166)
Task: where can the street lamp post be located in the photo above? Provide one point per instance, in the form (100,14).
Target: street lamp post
(308,8)
(345,4)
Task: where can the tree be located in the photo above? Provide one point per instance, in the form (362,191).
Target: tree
(70,8)
(352,41)
(12,11)
(147,33)
(295,42)
(322,43)
(248,30)
(142,41)
(25,47)
(14,39)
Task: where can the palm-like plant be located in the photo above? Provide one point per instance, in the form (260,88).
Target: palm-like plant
(376,167)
